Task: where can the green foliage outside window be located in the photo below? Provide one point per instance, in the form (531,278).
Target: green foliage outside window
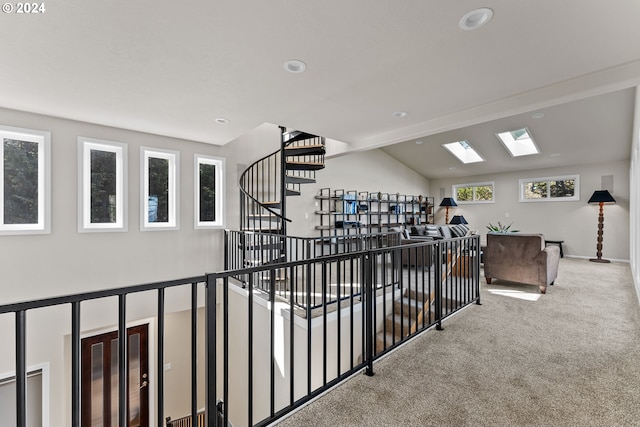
(20,182)
(474,193)
(207,192)
(103,186)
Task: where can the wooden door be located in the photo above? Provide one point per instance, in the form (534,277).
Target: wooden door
(100,379)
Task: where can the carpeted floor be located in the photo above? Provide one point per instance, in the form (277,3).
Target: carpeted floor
(567,358)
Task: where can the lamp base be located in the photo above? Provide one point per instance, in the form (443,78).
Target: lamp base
(602,260)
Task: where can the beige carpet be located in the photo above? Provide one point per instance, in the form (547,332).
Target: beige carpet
(567,358)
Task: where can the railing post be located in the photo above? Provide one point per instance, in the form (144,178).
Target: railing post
(123,363)
(438,284)
(194,353)
(476,266)
(369,320)
(21,369)
(75,364)
(210,339)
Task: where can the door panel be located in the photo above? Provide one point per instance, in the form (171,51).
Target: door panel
(100,379)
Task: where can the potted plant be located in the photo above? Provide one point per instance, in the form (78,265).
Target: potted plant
(500,228)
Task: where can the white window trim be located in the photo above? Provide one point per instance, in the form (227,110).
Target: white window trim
(43,139)
(219,163)
(85,145)
(455,187)
(575,198)
(43,369)
(173,157)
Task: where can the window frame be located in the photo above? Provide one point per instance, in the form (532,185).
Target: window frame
(548,198)
(220,165)
(173,158)
(43,139)
(85,146)
(454,192)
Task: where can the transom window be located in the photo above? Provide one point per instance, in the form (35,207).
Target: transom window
(159,178)
(103,189)
(25,181)
(548,189)
(473,193)
(209,187)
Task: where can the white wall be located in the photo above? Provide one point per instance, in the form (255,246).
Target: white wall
(574,222)
(66,261)
(634,182)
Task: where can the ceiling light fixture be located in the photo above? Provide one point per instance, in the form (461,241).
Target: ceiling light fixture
(295,66)
(222,121)
(419,142)
(399,114)
(538,115)
(476,18)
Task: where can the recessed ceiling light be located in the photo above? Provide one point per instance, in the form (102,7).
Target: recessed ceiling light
(538,115)
(222,121)
(476,18)
(419,142)
(295,66)
(399,114)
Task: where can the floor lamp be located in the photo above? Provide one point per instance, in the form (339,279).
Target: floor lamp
(601,197)
(447,202)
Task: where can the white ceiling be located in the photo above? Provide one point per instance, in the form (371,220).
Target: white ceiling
(172,68)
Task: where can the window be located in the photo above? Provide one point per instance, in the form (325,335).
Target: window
(473,193)
(25,181)
(159,175)
(550,189)
(102,182)
(209,191)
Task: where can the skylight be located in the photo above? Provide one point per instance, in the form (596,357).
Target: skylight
(463,151)
(518,142)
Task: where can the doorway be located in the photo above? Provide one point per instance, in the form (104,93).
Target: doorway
(100,379)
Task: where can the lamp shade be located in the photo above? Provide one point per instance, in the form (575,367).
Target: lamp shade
(448,201)
(458,219)
(602,196)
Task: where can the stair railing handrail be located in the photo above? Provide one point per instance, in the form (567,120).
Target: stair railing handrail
(245,192)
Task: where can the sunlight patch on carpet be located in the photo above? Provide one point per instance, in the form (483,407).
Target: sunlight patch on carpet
(515,294)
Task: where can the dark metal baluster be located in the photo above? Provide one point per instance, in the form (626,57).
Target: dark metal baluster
(160,357)
(369,304)
(211,357)
(123,368)
(194,354)
(75,364)
(21,368)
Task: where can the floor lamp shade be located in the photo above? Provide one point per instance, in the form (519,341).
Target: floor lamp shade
(447,202)
(601,198)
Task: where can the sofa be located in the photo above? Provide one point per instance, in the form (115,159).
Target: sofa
(521,258)
(436,232)
(424,256)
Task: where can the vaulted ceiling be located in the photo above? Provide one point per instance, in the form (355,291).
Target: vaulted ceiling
(173,68)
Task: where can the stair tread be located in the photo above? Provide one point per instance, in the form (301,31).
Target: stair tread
(296,135)
(304,165)
(293,179)
(304,150)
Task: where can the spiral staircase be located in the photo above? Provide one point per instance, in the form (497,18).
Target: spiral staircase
(266,184)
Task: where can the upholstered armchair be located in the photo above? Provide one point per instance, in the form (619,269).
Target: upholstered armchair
(521,258)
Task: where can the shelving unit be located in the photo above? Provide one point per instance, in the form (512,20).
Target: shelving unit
(343,213)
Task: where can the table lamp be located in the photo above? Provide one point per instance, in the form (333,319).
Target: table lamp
(458,219)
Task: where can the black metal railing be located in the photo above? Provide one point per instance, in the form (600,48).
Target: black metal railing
(22,310)
(359,305)
(252,249)
(266,352)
